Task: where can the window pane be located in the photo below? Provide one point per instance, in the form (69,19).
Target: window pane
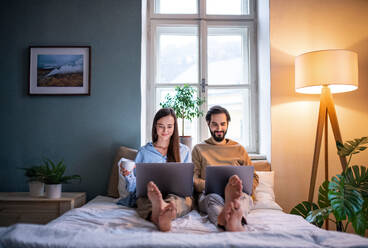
(228,7)
(190,128)
(236,101)
(176,7)
(228,55)
(177,54)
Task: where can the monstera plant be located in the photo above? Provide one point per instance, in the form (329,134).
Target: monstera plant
(345,197)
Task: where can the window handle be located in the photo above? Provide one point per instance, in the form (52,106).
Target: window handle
(203,85)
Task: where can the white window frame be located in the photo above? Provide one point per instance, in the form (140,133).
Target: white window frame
(203,21)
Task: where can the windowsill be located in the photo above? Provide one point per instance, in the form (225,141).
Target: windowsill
(255,156)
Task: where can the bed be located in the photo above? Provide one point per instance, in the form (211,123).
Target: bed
(103,223)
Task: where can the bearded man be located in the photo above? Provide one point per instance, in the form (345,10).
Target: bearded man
(229,213)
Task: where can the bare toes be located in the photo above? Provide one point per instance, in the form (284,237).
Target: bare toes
(167,214)
(233,188)
(234,179)
(153,192)
(169,210)
(154,195)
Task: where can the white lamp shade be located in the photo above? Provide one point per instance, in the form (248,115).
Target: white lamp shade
(337,69)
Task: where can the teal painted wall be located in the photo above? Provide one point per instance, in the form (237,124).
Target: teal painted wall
(85,131)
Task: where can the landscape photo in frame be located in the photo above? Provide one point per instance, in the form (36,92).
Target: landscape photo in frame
(59,71)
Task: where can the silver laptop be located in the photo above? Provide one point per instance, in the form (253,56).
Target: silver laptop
(217,177)
(170,178)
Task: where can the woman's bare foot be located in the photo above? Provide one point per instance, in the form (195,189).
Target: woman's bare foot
(233,189)
(162,213)
(167,214)
(233,216)
(158,203)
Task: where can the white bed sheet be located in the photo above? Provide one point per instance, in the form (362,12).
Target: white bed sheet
(103,223)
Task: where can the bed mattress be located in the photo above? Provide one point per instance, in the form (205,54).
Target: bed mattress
(103,223)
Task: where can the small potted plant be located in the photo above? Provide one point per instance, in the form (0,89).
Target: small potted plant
(54,178)
(186,107)
(35,176)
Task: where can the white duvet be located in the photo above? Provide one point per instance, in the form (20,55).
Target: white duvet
(102,223)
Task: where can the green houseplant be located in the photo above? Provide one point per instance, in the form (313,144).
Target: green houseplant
(54,177)
(35,175)
(185,105)
(345,197)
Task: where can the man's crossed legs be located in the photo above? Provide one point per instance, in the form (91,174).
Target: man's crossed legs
(231,212)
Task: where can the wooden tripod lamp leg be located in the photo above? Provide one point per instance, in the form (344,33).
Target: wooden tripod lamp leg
(326,157)
(326,107)
(334,124)
(317,146)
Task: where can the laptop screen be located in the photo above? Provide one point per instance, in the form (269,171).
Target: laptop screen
(170,178)
(217,177)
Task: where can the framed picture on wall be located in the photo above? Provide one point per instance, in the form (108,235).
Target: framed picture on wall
(56,70)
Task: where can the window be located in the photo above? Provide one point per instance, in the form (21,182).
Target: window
(211,45)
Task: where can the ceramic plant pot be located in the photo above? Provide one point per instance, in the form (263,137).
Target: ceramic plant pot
(186,140)
(36,188)
(53,191)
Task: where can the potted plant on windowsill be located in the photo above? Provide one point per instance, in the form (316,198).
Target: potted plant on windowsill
(54,178)
(186,107)
(35,176)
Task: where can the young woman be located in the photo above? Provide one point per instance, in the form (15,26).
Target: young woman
(165,147)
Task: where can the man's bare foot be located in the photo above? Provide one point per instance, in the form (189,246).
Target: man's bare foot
(233,189)
(221,218)
(233,216)
(167,214)
(158,203)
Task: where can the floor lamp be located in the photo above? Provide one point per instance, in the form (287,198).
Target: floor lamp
(326,72)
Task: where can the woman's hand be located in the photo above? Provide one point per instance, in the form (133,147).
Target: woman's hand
(124,171)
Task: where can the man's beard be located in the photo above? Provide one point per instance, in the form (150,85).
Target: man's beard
(218,138)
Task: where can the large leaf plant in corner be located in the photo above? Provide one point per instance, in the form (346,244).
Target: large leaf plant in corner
(345,197)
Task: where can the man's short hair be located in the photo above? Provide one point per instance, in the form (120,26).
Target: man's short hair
(217,110)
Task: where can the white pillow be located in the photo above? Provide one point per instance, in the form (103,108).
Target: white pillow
(265,196)
(122,183)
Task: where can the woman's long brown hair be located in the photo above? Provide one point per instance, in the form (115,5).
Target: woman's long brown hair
(173,153)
